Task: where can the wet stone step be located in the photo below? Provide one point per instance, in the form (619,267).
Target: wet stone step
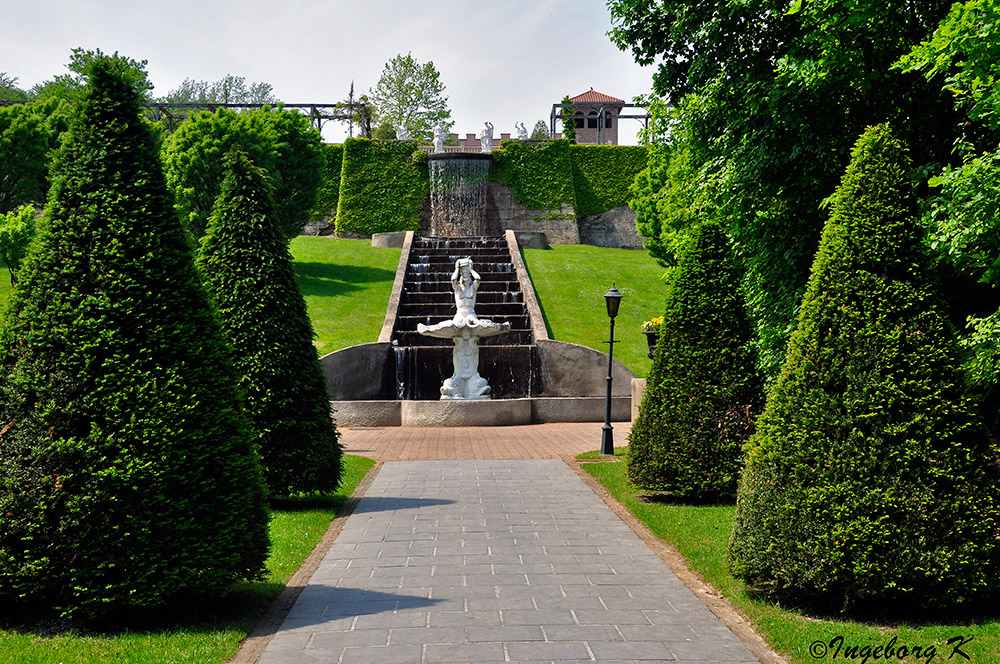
(484,298)
(483,309)
(513,338)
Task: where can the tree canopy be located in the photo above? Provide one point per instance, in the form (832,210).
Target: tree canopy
(762,102)
(228,90)
(410,94)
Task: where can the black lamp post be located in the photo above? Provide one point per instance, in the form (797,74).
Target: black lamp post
(612,298)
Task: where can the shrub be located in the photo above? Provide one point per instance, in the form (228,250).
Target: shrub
(870,485)
(382,188)
(248,270)
(126,467)
(703,391)
(281,142)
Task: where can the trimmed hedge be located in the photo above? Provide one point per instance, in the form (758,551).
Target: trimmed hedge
(602,175)
(870,484)
(703,391)
(126,467)
(382,188)
(541,175)
(248,269)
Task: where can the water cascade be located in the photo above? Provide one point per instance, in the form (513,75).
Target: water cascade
(459,201)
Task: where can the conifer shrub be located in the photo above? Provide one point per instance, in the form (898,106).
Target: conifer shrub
(703,391)
(126,466)
(249,273)
(870,484)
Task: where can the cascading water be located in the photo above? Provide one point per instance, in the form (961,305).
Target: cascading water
(459,206)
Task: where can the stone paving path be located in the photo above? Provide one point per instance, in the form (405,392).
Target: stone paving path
(494,561)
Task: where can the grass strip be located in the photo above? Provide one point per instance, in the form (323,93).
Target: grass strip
(346,284)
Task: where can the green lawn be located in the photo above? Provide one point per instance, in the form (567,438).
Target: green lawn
(571,280)
(346,284)
(701,534)
(203,631)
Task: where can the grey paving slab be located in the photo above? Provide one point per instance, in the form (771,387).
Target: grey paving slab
(494,560)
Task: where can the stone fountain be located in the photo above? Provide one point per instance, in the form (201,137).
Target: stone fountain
(465,329)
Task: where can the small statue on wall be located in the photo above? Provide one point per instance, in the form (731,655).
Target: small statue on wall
(439,138)
(486,137)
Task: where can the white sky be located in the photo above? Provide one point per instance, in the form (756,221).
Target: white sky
(505,61)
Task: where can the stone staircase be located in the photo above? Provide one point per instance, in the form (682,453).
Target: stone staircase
(428,297)
(507,361)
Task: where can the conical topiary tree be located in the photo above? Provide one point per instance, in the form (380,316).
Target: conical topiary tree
(248,270)
(869,485)
(703,391)
(126,466)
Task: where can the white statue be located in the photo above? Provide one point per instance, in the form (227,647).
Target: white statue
(439,138)
(464,329)
(486,137)
(522,131)
(401,133)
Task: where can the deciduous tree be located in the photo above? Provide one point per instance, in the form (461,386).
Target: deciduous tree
(410,94)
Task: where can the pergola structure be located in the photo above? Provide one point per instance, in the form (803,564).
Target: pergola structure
(317,113)
(600,108)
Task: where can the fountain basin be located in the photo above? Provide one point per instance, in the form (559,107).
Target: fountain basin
(492,413)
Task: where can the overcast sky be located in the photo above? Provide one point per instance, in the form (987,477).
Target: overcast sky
(505,61)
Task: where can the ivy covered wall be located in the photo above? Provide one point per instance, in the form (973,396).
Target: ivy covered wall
(382,186)
(328,194)
(540,175)
(602,175)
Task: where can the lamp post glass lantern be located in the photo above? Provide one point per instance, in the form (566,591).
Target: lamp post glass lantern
(612,299)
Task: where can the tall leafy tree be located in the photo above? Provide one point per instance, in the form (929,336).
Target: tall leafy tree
(127,470)
(870,484)
(25,137)
(229,89)
(248,270)
(280,141)
(410,94)
(963,214)
(9,90)
(768,98)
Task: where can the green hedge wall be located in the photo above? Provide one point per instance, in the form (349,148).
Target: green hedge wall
(328,194)
(541,175)
(602,175)
(382,187)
